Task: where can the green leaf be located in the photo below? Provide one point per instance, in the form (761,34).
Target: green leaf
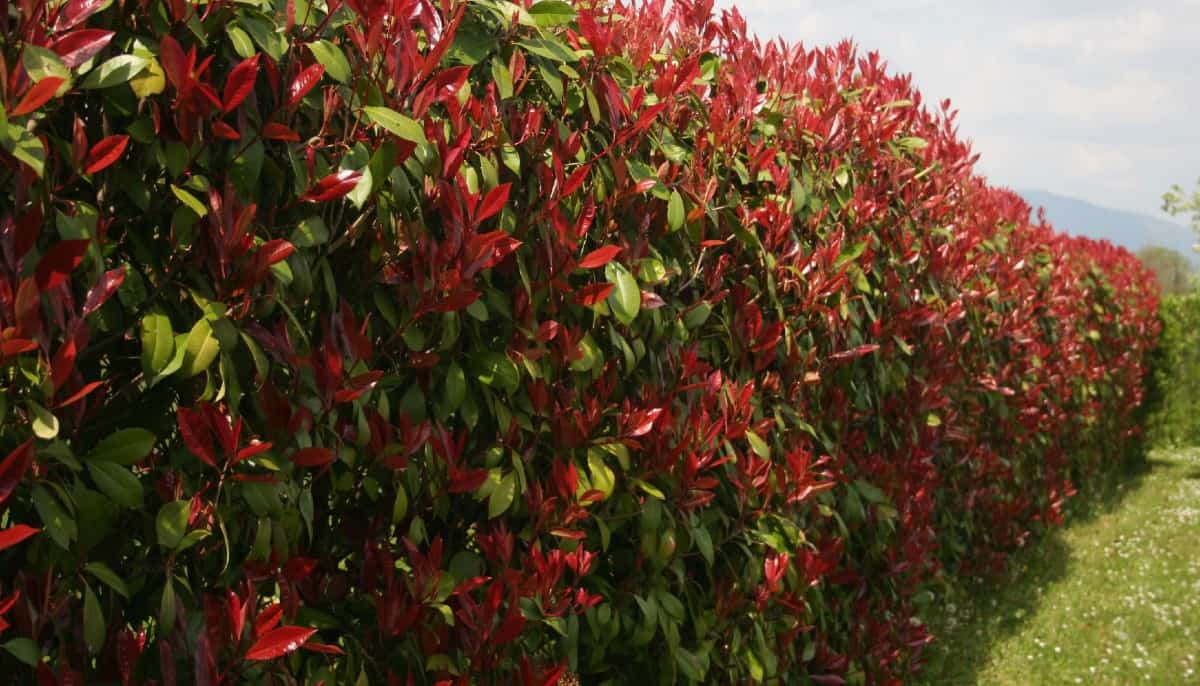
(496,369)
(691,665)
(758,445)
(105,573)
(25,650)
(45,424)
(241,41)
(192,538)
(676,214)
(58,524)
(117,482)
(551,49)
(93,621)
(310,233)
(171,523)
(200,349)
(127,447)
(626,298)
(332,58)
(192,202)
(502,496)
(114,72)
(455,390)
(603,479)
(26,147)
(590,354)
(157,343)
(40,63)
(697,315)
(405,127)
(704,544)
(552,13)
(166,607)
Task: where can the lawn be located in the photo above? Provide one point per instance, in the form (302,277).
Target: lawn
(1113,598)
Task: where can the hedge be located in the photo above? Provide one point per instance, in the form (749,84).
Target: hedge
(413,342)
(1175,415)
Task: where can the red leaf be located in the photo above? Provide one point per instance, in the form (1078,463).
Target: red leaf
(576,179)
(599,257)
(225,131)
(105,153)
(593,293)
(38,95)
(645,184)
(194,429)
(15,534)
(493,202)
(250,451)
(240,83)
(13,468)
(16,346)
(304,82)
(174,62)
(323,648)
(642,422)
(273,251)
(58,263)
(333,186)
(103,290)
(268,619)
(509,629)
(279,642)
(314,457)
(547,331)
(75,12)
(80,394)
(279,132)
(457,300)
(78,47)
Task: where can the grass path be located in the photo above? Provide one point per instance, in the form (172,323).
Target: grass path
(1113,598)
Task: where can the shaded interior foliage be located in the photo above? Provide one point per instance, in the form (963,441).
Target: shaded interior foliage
(412,342)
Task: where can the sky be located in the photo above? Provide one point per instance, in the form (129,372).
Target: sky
(1094,99)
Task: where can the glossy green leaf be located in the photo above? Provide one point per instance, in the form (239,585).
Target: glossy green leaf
(625,298)
(396,123)
(114,72)
(110,578)
(127,447)
(171,523)
(200,349)
(116,482)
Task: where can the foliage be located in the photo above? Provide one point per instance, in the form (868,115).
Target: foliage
(1179,201)
(473,342)
(1175,419)
(1174,272)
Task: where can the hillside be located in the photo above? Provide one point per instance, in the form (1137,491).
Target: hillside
(1130,229)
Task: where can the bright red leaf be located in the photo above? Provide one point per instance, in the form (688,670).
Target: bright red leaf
(333,186)
(39,94)
(593,293)
(279,642)
(75,12)
(13,468)
(303,83)
(240,83)
(15,534)
(493,202)
(599,257)
(104,153)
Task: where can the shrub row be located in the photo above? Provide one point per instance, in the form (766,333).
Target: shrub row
(1175,415)
(414,342)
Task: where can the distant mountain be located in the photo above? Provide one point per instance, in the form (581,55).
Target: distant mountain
(1130,229)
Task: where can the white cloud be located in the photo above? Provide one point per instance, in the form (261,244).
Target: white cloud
(1132,32)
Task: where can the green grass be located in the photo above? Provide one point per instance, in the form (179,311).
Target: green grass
(1112,598)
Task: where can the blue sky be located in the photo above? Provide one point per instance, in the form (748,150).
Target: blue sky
(1096,100)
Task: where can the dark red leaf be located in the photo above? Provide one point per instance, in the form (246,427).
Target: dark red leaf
(15,534)
(59,261)
(16,346)
(79,46)
(75,12)
(547,331)
(323,648)
(303,83)
(643,421)
(103,290)
(509,629)
(38,95)
(240,83)
(197,436)
(493,202)
(250,451)
(174,62)
(105,153)
(333,186)
(225,131)
(599,257)
(314,457)
(13,468)
(279,132)
(279,642)
(274,251)
(593,293)
(457,300)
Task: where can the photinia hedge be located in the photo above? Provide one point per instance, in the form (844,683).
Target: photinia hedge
(472,342)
